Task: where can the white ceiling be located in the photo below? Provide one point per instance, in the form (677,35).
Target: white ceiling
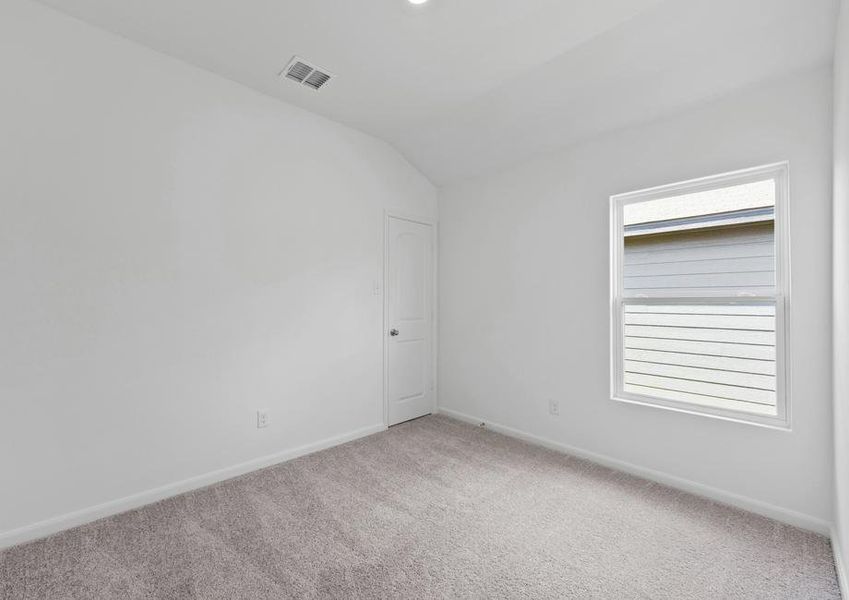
(461,87)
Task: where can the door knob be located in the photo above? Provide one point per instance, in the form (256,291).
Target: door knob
(393,332)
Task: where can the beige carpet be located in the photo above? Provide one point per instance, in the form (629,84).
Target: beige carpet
(429,509)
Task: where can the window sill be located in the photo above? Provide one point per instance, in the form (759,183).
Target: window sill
(774,423)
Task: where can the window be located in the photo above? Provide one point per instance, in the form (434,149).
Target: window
(699,281)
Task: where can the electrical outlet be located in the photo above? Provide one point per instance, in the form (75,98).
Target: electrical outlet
(554,407)
(262,419)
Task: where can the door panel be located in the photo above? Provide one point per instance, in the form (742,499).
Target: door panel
(410,319)
(409,378)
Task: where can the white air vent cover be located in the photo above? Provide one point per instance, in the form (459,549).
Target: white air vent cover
(305,73)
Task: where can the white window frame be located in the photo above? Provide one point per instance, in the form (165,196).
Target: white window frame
(780,173)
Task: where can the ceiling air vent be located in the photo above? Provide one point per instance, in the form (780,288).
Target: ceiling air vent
(307,74)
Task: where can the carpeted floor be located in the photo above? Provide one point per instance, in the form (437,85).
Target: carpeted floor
(429,509)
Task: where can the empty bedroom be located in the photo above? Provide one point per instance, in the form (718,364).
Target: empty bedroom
(424,299)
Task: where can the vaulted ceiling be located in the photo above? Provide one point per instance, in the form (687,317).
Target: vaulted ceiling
(462,87)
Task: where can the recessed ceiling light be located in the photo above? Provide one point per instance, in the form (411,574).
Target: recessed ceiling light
(417,1)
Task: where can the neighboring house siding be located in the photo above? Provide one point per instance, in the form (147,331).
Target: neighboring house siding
(715,259)
(713,355)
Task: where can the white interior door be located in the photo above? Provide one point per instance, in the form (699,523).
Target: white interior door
(409,320)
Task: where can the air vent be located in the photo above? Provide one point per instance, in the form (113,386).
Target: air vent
(300,71)
(317,79)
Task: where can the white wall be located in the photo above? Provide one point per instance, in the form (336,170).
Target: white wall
(841,279)
(524,285)
(176,251)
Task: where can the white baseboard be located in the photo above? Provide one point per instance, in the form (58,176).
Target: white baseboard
(766,509)
(113,507)
(837,550)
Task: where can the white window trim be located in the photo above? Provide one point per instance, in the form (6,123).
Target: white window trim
(780,173)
